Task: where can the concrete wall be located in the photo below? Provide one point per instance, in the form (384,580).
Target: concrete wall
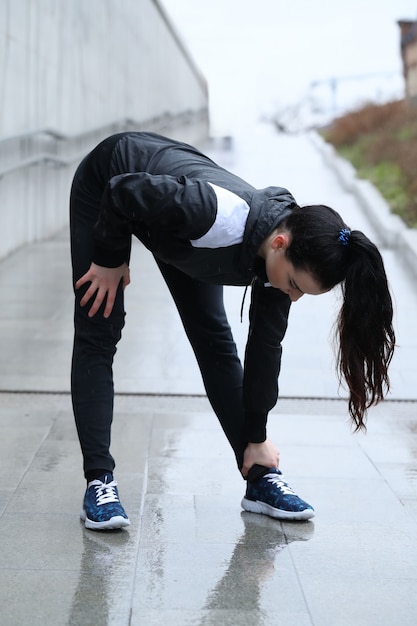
(73,72)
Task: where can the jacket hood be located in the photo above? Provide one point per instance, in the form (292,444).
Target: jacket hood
(269,207)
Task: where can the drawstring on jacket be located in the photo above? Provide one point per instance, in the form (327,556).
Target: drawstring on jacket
(243,304)
(244,297)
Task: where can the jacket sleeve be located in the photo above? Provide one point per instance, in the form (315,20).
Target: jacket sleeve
(182,206)
(268,317)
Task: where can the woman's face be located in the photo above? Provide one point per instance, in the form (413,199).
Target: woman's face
(283,275)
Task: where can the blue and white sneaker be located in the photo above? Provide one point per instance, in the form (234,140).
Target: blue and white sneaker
(272,496)
(101,507)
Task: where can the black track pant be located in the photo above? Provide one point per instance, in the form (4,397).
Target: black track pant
(201,308)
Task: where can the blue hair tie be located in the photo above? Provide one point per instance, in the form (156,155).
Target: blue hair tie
(344,236)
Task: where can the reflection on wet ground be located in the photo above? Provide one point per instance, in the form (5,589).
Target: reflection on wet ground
(101,584)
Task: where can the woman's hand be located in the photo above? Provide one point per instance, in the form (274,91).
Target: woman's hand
(104,282)
(265,454)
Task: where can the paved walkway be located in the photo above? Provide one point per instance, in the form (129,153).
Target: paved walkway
(191,557)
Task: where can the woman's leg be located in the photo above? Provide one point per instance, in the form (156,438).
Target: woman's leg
(95,338)
(202,312)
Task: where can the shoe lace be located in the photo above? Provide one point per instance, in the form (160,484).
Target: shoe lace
(106,493)
(276,480)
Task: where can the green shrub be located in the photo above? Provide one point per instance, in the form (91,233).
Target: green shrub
(381,143)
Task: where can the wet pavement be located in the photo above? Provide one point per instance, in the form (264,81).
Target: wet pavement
(191,556)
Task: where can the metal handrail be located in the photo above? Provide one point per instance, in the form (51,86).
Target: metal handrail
(42,157)
(49,157)
(55,134)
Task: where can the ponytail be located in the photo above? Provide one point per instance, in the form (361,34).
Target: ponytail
(323,245)
(366,334)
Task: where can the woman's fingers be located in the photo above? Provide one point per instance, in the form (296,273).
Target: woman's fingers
(88,294)
(111,296)
(97,302)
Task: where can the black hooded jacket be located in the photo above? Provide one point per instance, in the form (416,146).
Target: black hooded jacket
(209,223)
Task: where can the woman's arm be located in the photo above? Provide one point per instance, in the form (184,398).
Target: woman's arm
(181,206)
(268,323)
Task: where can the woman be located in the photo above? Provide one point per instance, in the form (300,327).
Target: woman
(207,228)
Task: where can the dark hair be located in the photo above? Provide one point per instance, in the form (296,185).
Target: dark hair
(323,245)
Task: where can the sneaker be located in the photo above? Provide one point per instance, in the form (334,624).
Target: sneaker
(272,496)
(101,507)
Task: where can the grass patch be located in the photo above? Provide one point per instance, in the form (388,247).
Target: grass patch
(381,143)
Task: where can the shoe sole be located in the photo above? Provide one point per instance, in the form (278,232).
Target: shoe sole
(255,506)
(114,523)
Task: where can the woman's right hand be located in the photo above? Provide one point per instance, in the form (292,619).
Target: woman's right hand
(104,282)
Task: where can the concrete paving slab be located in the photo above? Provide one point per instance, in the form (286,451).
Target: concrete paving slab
(190,556)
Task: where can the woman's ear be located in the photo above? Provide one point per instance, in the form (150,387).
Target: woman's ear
(281,241)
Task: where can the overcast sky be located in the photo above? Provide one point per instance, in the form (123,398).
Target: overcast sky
(261,56)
